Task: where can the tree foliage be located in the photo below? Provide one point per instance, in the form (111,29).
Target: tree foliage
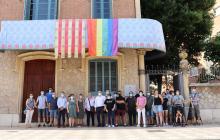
(186,24)
(212,50)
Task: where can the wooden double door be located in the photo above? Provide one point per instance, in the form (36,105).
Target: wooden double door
(39,75)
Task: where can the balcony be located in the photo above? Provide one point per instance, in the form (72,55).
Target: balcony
(41,34)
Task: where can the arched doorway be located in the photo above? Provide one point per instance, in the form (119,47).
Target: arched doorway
(39,75)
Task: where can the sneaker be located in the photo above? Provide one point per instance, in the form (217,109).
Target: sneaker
(145,126)
(109,125)
(138,125)
(44,125)
(113,126)
(39,125)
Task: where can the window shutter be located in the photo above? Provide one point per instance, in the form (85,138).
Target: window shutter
(27,9)
(56,9)
(94,8)
(102,8)
(97,8)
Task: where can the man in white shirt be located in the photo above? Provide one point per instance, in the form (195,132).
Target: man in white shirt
(99,108)
(42,103)
(62,105)
(90,109)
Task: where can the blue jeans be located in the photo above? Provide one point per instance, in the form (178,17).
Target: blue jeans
(111,117)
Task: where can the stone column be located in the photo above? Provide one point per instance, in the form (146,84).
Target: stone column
(184,67)
(138,8)
(141,70)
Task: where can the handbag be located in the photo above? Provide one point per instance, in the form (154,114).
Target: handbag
(25,111)
(154,108)
(92,108)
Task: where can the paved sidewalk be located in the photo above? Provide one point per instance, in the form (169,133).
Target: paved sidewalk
(124,133)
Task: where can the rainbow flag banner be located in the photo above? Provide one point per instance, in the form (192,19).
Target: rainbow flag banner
(102,37)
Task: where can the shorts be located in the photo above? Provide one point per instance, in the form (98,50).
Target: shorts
(158,108)
(170,109)
(53,113)
(41,112)
(165,107)
(120,112)
(149,113)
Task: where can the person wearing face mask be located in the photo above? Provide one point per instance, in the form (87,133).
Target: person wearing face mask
(52,105)
(109,108)
(90,109)
(172,117)
(194,98)
(62,105)
(165,108)
(42,103)
(141,103)
(158,108)
(99,108)
(71,110)
(80,110)
(131,106)
(49,97)
(169,96)
(178,102)
(30,104)
(148,108)
(121,109)
(115,95)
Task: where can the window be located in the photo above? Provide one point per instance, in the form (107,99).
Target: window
(102,9)
(40,9)
(103,76)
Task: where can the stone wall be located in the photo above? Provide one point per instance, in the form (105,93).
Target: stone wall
(124,9)
(8,83)
(71,79)
(75,9)
(11,9)
(209,101)
(8,89)
(130,70)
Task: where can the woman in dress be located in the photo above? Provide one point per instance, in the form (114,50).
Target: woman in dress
(81,111)
(30,104)
(71,109)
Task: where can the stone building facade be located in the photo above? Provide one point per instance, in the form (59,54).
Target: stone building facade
(71,74)
(216,26)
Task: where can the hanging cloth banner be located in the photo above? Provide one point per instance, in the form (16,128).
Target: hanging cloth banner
(70,38)
(102,37)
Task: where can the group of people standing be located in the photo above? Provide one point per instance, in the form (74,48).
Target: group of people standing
(150,109)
